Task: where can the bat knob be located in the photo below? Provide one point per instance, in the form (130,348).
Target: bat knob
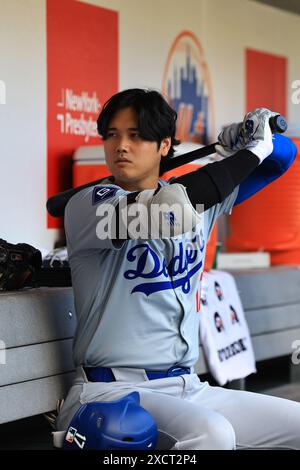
(278,124)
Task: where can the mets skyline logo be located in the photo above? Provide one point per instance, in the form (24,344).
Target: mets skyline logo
(187,86)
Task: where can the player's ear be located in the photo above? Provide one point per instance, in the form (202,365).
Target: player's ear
(165,146)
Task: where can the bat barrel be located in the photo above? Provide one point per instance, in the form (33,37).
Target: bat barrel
(56,204)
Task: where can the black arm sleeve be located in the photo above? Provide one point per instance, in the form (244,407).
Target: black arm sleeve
(212,183)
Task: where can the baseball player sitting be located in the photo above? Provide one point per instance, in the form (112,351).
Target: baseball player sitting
(135,274)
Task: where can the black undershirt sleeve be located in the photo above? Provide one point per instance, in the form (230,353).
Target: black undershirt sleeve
(212,183)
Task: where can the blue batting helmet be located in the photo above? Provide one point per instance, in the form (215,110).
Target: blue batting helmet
(115,425)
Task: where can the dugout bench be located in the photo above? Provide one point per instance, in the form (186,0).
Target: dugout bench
(37,327)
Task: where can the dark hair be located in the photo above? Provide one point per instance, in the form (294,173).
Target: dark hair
(156,119)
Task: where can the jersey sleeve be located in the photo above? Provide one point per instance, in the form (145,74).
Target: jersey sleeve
(274,166)
(89,218)
(211,215)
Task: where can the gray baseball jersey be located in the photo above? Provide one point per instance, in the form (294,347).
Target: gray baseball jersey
(136,300)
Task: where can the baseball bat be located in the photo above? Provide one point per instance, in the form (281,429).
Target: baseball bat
(56,204)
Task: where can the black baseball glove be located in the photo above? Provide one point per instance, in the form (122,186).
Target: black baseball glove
(19,265)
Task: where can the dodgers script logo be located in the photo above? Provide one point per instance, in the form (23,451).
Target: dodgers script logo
(148,265)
